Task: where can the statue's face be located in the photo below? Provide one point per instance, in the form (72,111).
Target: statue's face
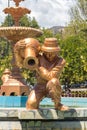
(50,55)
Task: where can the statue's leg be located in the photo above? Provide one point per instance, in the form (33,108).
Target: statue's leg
(35,96)
(53,88)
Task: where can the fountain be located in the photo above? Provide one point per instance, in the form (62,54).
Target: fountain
(20,118)
(15,84)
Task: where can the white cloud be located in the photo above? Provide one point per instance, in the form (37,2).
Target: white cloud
(47,13)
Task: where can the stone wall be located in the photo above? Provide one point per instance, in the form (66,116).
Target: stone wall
(43,119)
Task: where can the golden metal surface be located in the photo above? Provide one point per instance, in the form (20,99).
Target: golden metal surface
(6,75)
(17,2)
(17,13)
(16,33)
(26,52)
(47,74)
(50,45)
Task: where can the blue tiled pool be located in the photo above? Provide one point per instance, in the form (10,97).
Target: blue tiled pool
(20,101)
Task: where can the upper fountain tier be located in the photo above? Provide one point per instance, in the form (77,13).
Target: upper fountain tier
(17,2)
(18,32)
(17,12)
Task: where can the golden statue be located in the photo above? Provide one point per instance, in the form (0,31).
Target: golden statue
(48,70)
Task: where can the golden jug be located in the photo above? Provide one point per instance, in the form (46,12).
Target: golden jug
(26,52)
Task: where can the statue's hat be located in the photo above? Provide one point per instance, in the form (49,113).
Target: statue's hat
(50,45)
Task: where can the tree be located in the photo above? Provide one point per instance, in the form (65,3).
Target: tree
(74,45)
(5,56)
(78,15)
(79,11)
(34,23)
(82,4)
(25,21)
(46,34)
(73,49)
(8,21)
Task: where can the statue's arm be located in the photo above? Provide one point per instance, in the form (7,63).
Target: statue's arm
(54,73)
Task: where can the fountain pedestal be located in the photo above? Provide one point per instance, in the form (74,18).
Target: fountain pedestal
(15,85)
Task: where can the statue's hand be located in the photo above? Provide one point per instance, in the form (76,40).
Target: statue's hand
(37,68)
(42,71)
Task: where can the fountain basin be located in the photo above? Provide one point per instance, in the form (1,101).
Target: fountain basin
(19,32)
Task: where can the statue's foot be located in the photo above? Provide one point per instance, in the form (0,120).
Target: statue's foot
(62,107)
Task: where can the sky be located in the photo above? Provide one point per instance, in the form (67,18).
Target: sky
(48,13)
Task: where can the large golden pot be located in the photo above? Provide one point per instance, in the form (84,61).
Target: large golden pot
(26,52)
